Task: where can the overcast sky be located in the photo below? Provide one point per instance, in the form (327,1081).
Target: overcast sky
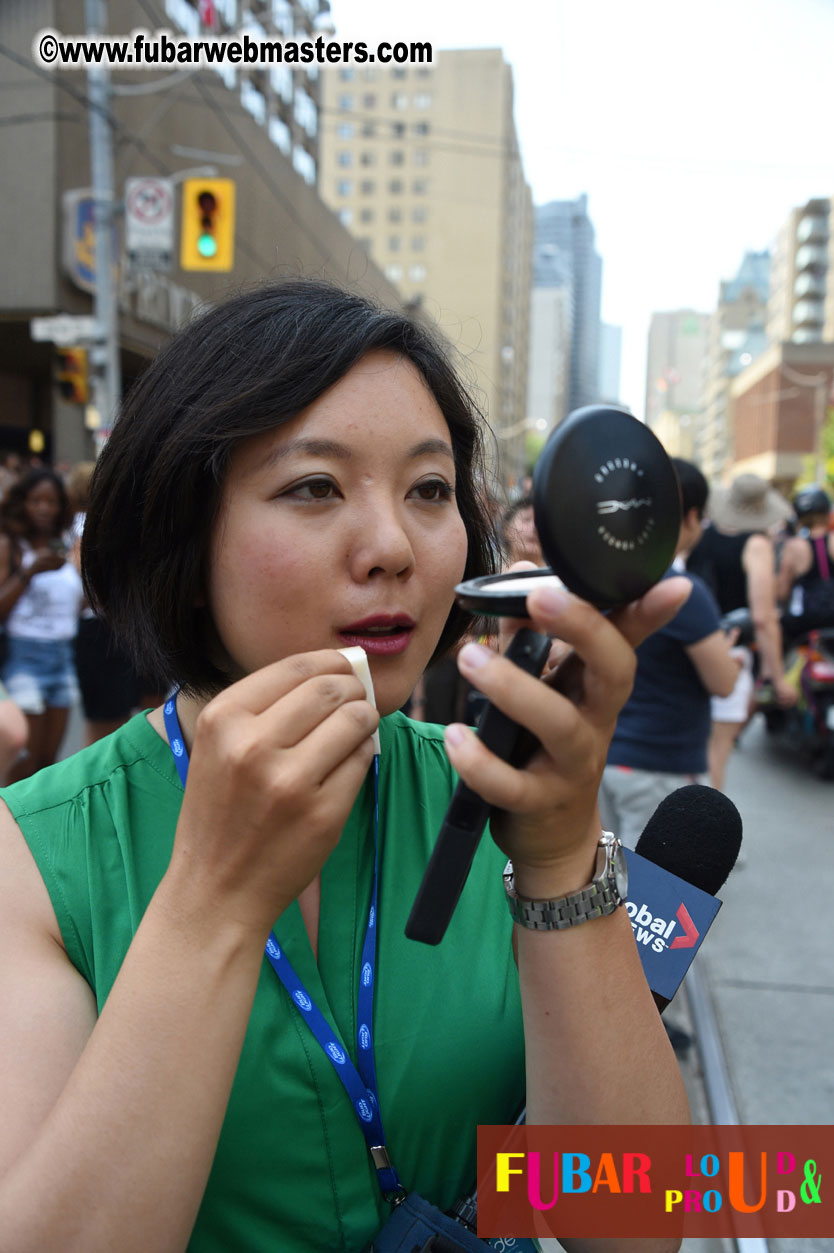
(693,127)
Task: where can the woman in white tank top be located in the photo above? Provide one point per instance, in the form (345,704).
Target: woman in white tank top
(40,596)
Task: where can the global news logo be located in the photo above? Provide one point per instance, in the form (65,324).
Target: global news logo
(656,932)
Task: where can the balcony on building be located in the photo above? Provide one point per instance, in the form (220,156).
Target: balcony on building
(810,284)
(812,257)
(809,313)
(813,229)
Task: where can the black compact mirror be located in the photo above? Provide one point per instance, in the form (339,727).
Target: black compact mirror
(606,503)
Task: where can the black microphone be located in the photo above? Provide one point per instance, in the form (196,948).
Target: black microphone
(695,833)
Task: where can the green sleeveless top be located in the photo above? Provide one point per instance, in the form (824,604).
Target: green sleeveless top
(292,1173)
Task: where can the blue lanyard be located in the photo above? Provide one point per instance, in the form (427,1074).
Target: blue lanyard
(358,1081)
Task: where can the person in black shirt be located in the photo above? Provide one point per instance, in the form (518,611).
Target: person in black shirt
(735,559)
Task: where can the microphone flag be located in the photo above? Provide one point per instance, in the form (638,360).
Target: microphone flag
(670,918)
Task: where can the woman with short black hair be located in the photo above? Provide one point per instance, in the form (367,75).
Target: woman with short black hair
(202,916)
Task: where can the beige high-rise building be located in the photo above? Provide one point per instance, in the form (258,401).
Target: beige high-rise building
(736,338)
(801,303)
(422,164)
(675,371)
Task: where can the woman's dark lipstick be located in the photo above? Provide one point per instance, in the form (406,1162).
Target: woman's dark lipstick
(381,635)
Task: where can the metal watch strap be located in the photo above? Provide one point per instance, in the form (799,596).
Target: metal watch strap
(598,899)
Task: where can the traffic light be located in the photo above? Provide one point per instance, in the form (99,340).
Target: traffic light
(207,238)
(72,376)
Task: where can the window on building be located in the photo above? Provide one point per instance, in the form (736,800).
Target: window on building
(417,273)
(422,100)
(395,186)
(422,128)
(304,164)
(421,156)
(366,215)
(394,243)
(423,71)
(282,17)
(345,130)
(346,216)
(418,243)
(396,157)
(345,102)
(369,100)
(306,113)
(344,187)
(394,272)
(347,74)
(367,187)
(280,135)
(398,130)
(344,158)
(419,213)
(399,100)
(253,101)
(368,130)
(280,78)
(420,187)
(399,71)
(395,214)
(367,157)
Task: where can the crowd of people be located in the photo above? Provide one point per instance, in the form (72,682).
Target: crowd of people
(744,546)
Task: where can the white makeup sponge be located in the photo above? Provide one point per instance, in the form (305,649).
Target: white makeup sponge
(358,659)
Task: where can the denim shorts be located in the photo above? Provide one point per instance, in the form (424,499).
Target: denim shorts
(40,674)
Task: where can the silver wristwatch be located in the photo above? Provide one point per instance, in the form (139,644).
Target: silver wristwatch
(602,896)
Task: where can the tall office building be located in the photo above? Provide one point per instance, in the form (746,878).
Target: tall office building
(422,164)
(610,362)
(551,336)
(736,338)
(801,304)
(676,367)
(565,246)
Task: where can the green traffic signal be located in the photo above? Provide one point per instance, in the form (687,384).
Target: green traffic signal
(207,237)
(206,241)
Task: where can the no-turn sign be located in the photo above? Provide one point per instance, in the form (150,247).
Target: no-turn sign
(149,222)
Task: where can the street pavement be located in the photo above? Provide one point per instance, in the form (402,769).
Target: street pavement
(767,959)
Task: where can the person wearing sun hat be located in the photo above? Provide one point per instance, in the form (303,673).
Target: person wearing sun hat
(735,558)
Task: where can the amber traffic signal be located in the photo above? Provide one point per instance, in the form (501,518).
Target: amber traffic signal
(72,375)
(207,237)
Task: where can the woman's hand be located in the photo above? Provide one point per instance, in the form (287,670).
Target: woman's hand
(46,559)
(277,761)
(549,823)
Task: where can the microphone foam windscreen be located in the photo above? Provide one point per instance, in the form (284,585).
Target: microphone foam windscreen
(695,833)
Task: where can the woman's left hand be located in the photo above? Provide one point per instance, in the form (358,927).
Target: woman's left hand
(547,820)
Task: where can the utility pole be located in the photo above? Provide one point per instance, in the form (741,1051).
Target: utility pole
(106,374)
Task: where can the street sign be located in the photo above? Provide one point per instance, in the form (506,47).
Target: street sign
(149,223)
(79,242)
(64,328)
